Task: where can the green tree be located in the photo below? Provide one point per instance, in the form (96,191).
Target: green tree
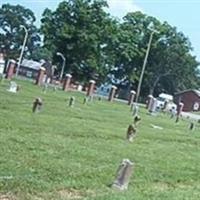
(11,33)
(83,32)
(170,66)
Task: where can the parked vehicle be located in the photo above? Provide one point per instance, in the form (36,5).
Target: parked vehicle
(166,101)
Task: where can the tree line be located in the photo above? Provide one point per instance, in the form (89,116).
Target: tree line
(100,47)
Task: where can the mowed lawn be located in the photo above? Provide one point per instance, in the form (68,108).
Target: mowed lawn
(73,153)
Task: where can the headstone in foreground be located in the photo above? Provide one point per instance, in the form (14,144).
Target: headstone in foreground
(124,173)
(37,105)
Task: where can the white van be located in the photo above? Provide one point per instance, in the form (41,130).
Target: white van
(162,98)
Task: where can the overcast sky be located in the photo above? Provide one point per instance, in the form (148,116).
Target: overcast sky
(184,14)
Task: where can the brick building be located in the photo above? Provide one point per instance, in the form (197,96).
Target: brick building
(190,98)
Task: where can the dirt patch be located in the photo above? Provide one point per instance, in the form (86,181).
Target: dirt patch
(161,186)
(70,194)
(6,197)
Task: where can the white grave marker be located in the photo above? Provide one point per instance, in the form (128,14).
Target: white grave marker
(13,87)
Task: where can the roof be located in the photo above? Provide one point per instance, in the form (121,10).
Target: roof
(31,64)
(166,96)
(197,92)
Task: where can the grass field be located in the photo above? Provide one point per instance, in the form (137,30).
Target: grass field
(73,153)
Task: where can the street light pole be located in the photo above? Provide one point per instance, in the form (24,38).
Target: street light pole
(23,47)
(143,67)
(63,65)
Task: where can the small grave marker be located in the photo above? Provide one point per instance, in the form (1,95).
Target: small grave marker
(45,87)
(37,105)
(131,97)
(13,87)
(71,101)
(191,127)
(179,111)
(134,109)
(123,175)
(131,133)
(85,100)
(137,119)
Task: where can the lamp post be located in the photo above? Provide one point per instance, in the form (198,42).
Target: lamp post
(63,65)
(22,50)
(144,66)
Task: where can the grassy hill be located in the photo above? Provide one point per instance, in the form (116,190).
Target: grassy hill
(73,153)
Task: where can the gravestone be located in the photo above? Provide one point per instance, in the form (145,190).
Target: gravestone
(179,111)
(2,64)
(45,87)
(164,108)
(136,120)
(90,89)
(1,78)
(85,100)
(149,101)
(112,93)
(191,127)
(131,133)
(172,112)
(135,109)
(100,98)
(41,76)
(90,98)
(67,81)
(131,97)
(124,173)
(153,106)
(37,105)
(13,87)
(10,69)
(71,101)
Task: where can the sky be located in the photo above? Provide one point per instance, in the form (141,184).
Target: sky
(184,14)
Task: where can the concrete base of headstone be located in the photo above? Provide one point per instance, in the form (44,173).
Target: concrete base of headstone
(124,173)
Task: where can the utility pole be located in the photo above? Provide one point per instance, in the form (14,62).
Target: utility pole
(143,67)
(22,50)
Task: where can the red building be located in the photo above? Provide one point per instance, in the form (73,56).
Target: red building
(190,98)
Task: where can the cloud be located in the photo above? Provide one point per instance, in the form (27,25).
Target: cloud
(119,8)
